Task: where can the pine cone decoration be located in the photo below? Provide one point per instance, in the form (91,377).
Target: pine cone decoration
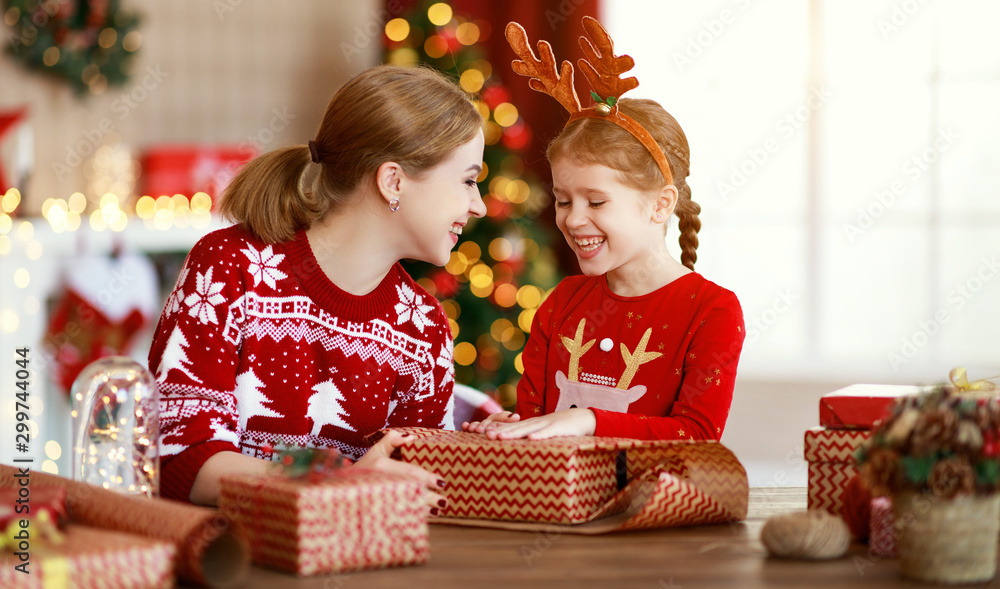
(969,439)
(934,429)
(950,477)
(880,471)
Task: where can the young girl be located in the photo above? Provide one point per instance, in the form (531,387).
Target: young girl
(298,326)
(641,346)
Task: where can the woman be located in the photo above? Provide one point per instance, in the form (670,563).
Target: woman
(297,326)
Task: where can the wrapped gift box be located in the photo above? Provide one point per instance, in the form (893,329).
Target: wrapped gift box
(353,520)
(882,538)
(91,557)
(830,454)
(861,406)
(580,479)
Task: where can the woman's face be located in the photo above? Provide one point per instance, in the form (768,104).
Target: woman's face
(438,203)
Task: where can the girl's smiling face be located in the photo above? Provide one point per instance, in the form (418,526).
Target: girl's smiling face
(611,227)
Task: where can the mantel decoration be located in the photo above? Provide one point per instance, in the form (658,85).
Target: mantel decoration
(938,457)
(89,43)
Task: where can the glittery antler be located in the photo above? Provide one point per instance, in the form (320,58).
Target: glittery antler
(633,360)
(576,349)
(602,71)
(543,74)
(602,67)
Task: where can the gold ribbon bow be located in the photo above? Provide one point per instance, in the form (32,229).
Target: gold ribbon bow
(960,379)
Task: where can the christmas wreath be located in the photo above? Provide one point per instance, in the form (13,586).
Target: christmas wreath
(89,43)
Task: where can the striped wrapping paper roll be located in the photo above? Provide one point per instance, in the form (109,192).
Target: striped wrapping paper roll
(207,551)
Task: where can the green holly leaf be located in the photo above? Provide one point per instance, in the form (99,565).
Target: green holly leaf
(988,472)
(917,469)
(596,97)
(612,101)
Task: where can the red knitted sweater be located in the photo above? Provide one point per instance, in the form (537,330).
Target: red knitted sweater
(657,366)
(257,348)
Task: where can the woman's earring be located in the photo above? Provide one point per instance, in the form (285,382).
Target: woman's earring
(659,217)
(394,205)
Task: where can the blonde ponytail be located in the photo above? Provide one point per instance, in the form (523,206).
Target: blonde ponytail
(267,195)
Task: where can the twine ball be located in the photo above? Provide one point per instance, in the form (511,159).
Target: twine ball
(857,507)
(813,535)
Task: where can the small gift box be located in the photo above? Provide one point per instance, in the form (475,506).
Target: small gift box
(883,534)
(45,507)
(87,558)
(830,454)
(861,406)
(349,520)
(581,479)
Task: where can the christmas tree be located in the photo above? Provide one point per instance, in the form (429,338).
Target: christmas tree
(88,43)
(503,266)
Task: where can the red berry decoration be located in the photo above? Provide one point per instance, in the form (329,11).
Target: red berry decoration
(856,508)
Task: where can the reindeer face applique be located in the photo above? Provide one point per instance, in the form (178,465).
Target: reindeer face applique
(573,393)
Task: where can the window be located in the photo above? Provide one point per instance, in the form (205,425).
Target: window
(844,155)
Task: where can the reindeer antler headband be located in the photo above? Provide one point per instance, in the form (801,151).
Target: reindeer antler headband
(602,69)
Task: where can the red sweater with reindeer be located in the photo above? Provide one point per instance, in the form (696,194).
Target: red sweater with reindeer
(257,348)
(657,366)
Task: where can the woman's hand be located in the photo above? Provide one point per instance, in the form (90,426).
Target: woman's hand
(491,422)
(379,458)
(571,422)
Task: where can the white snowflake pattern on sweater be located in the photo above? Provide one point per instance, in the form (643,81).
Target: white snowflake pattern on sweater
(411,308)
(206,296)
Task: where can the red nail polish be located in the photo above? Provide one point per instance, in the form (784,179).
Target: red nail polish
(442,503)
(435,511)
(441,483)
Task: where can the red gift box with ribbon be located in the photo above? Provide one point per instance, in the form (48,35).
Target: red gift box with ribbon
(349,520)
(861,406)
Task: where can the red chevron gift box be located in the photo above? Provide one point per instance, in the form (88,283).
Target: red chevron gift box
(830,454)
(352,520)
(88,558)
(598,484)
(861,406)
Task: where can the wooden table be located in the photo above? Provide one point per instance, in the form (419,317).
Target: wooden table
(729,556)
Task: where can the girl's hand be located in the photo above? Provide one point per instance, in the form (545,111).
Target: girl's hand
(571,422)
(379,458)
(491,422)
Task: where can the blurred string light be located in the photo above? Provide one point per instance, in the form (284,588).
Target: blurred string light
(482,286)
(162,213)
